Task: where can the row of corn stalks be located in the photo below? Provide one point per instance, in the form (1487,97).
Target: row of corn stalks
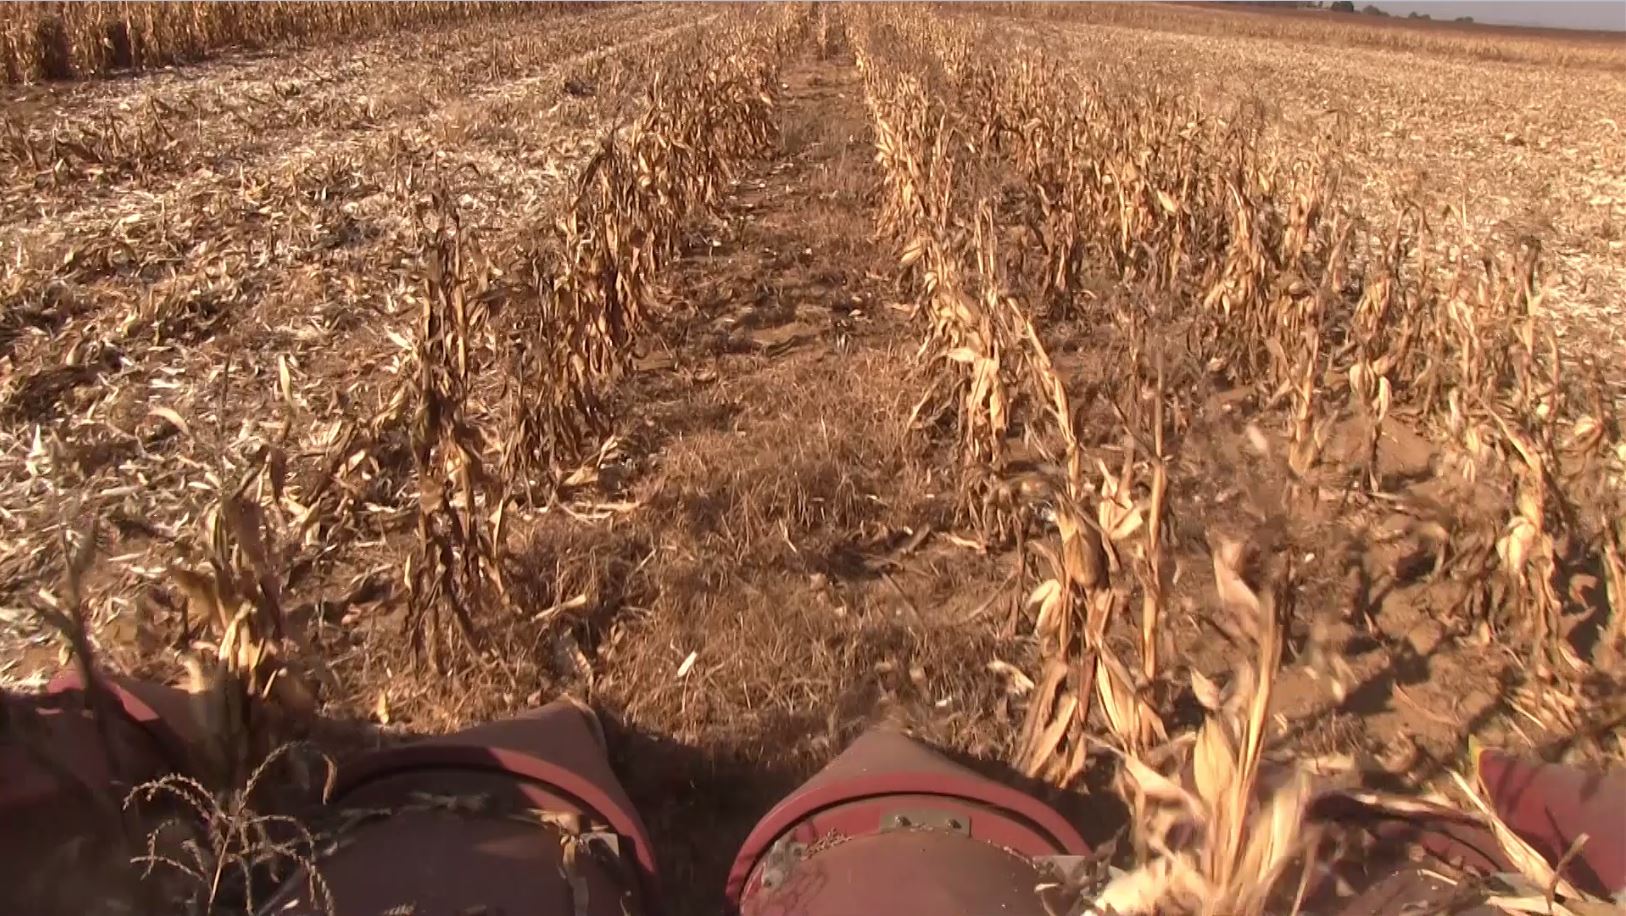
(1335,320)
(503,394)
(324,483)
(1021,193)
(55,40)
(46,284)
(548,342)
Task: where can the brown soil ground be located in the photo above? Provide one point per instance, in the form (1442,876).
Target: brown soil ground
(766,558)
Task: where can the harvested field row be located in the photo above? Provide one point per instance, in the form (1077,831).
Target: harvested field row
(1160,345)
(1276,23)
(116,350)
(51,40)
(758,375)
(1482,153)
(322,195)
(90,154)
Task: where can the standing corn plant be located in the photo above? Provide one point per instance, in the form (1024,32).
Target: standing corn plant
(455,568)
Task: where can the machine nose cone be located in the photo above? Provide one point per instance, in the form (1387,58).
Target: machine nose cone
(521,816)
(892,826)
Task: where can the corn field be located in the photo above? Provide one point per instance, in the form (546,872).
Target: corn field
(54,41)
(756,373)
(1010,189)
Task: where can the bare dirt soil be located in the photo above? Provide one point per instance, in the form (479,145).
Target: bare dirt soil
(766,555)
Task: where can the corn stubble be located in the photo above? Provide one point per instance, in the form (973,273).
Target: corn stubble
(1012,187)
(1549,47)
(53,41)
(1020,195)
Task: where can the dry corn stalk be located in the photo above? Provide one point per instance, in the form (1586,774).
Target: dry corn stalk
(591,289)
(570,324)
(1324,313)
(456,565)
(1220,837)
(254,685)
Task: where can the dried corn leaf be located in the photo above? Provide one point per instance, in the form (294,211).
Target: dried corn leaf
(1156,786)
(1524,857)
(1206,691)
(1214,762)
(1117,702)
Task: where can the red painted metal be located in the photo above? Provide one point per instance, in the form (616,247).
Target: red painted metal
(1548,804)
(889,826)
(921,871)
(470,861)
(881,774)
(1451,836)
(62,791)
(1551,806)
(494,852)
(1408,890)
(162,712)
(558,749)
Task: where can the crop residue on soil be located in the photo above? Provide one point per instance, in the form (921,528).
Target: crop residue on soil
(760,375)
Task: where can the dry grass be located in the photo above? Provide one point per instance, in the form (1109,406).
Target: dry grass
(218,850)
